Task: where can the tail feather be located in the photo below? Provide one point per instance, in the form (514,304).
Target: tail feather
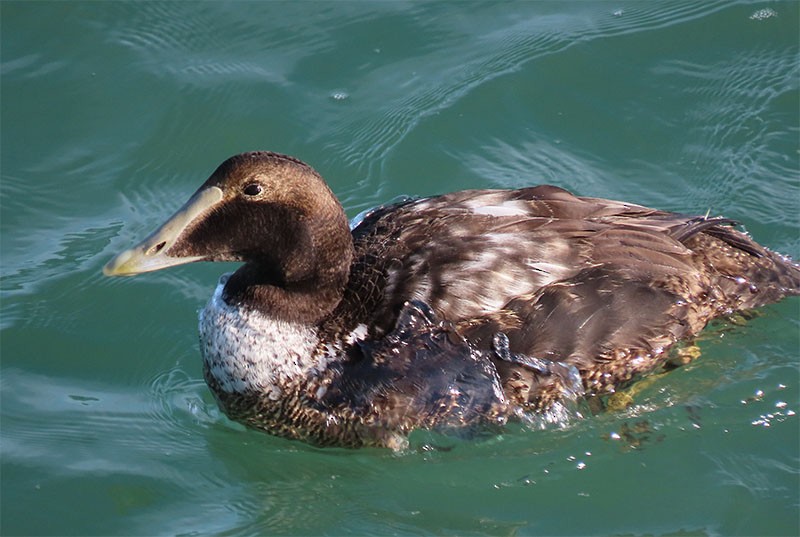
(749,275)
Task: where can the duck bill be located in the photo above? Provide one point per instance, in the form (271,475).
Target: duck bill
(152,253)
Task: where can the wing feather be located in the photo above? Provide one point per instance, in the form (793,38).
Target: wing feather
(599,284)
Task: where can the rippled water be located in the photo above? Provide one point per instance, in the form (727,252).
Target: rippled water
(112,113)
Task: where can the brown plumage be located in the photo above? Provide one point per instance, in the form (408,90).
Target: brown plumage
(503,299)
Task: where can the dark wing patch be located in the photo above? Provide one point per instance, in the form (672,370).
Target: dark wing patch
(421,375)
(589,321)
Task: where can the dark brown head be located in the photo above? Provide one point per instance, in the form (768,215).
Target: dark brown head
(272,212)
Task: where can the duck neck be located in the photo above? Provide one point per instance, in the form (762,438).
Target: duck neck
(305,283)
(306,302)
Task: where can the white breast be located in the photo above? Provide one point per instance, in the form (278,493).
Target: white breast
(246,351)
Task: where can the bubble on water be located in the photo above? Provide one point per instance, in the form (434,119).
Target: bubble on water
(340,95)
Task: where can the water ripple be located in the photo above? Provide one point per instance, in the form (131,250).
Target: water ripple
(411,95)
(741,116)
(535,162)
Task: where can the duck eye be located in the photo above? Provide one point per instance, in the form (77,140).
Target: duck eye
(252,190)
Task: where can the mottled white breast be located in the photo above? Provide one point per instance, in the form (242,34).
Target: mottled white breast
(247,351)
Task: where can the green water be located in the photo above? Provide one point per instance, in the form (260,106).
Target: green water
(112,113)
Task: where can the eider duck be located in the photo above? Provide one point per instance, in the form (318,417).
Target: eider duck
(458,311)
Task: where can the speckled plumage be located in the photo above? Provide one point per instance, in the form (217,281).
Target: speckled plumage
(456,311)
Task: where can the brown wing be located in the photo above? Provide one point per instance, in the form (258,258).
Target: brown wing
(468,253)
(603,285)
(644,291)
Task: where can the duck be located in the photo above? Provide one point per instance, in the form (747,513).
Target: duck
(458,312)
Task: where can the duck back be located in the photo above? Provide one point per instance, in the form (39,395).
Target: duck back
(602,285)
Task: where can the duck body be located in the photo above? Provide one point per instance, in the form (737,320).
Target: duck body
(459,311)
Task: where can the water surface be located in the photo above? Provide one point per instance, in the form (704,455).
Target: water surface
(112,113)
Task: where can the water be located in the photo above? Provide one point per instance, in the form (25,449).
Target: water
(113,113)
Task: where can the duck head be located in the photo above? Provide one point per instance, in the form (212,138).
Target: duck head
(270,211)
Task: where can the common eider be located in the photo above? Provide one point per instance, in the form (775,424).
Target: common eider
(458,311)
